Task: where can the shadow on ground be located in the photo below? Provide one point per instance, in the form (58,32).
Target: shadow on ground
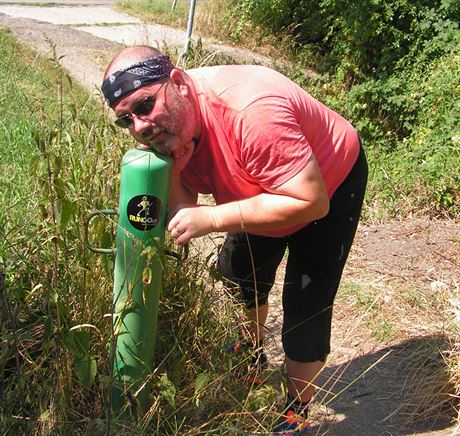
(387,392)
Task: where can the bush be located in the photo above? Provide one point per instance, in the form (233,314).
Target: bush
(355,38)
(410,122)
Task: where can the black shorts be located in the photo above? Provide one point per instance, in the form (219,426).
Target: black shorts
(316,258)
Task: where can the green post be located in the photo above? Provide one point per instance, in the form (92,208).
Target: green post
(144,191)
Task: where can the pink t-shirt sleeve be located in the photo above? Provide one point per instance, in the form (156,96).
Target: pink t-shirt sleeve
(273,147)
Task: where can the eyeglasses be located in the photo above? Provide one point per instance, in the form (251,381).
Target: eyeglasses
(143,108)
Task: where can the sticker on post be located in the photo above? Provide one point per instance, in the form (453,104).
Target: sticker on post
(144,211)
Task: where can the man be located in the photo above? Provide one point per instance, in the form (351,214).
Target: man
(285,172)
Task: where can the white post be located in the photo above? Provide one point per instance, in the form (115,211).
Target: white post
(173,6)
(189,27)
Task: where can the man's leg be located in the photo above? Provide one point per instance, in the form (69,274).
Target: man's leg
(257,317)
(249,263)
(317,256)
(301,379)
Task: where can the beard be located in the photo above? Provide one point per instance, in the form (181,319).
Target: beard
(174,128)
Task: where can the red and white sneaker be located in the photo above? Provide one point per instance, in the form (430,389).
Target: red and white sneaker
(291,424)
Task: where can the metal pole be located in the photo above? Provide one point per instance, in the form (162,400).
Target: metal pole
(189,27)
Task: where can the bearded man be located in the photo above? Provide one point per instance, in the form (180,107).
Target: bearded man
(286,172)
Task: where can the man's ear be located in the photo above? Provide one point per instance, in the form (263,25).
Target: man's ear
(178,78)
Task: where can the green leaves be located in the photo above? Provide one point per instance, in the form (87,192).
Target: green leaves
(66,210)
(167,390)
(201,382)
(84,365)
(85,369)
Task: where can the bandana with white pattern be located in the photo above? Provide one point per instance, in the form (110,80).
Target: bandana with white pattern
(135,76)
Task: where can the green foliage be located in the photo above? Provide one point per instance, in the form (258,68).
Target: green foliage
(411,123)
(53,136)
(354,38)
(304,21)
(160,11)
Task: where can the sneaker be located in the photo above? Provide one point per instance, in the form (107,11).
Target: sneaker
(291,424)
(258,361)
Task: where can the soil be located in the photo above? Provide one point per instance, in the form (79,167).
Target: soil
(406,272)
(402,274)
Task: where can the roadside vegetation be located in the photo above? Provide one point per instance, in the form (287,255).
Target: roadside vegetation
(392,69)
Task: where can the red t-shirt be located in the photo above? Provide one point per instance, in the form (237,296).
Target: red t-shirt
(259,129)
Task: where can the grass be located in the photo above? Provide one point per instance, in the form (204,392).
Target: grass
(362,298)
(213,20)
(431,388)
(52,149)
(160,10)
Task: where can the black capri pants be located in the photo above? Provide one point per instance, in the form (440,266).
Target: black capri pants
(316,257)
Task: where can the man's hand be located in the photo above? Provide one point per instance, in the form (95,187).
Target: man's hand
(191,221)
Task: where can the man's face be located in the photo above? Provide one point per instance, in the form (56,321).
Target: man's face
(159,116)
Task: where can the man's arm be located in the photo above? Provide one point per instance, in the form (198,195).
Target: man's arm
(301,199)
(180,193)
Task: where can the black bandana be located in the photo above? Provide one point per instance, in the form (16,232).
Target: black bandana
(124,81)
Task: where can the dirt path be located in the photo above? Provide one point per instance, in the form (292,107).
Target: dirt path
(390,306)
(399,273)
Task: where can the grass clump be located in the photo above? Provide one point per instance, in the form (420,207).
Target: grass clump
(432,393)
(53,147)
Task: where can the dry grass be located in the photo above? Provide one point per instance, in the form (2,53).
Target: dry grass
(430,386)
(405,296)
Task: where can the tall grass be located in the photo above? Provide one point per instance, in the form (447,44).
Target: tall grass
(55,167)
(207,20)
(59,159)
(217,20)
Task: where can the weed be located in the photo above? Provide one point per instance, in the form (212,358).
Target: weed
(415,299)
(384,331)
(358,295)
(430,388)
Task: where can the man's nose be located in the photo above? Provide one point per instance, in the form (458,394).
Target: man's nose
(141,124)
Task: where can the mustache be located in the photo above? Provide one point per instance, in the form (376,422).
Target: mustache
(152,132)
(149,137)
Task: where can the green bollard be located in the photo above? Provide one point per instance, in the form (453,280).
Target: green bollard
(144,191)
